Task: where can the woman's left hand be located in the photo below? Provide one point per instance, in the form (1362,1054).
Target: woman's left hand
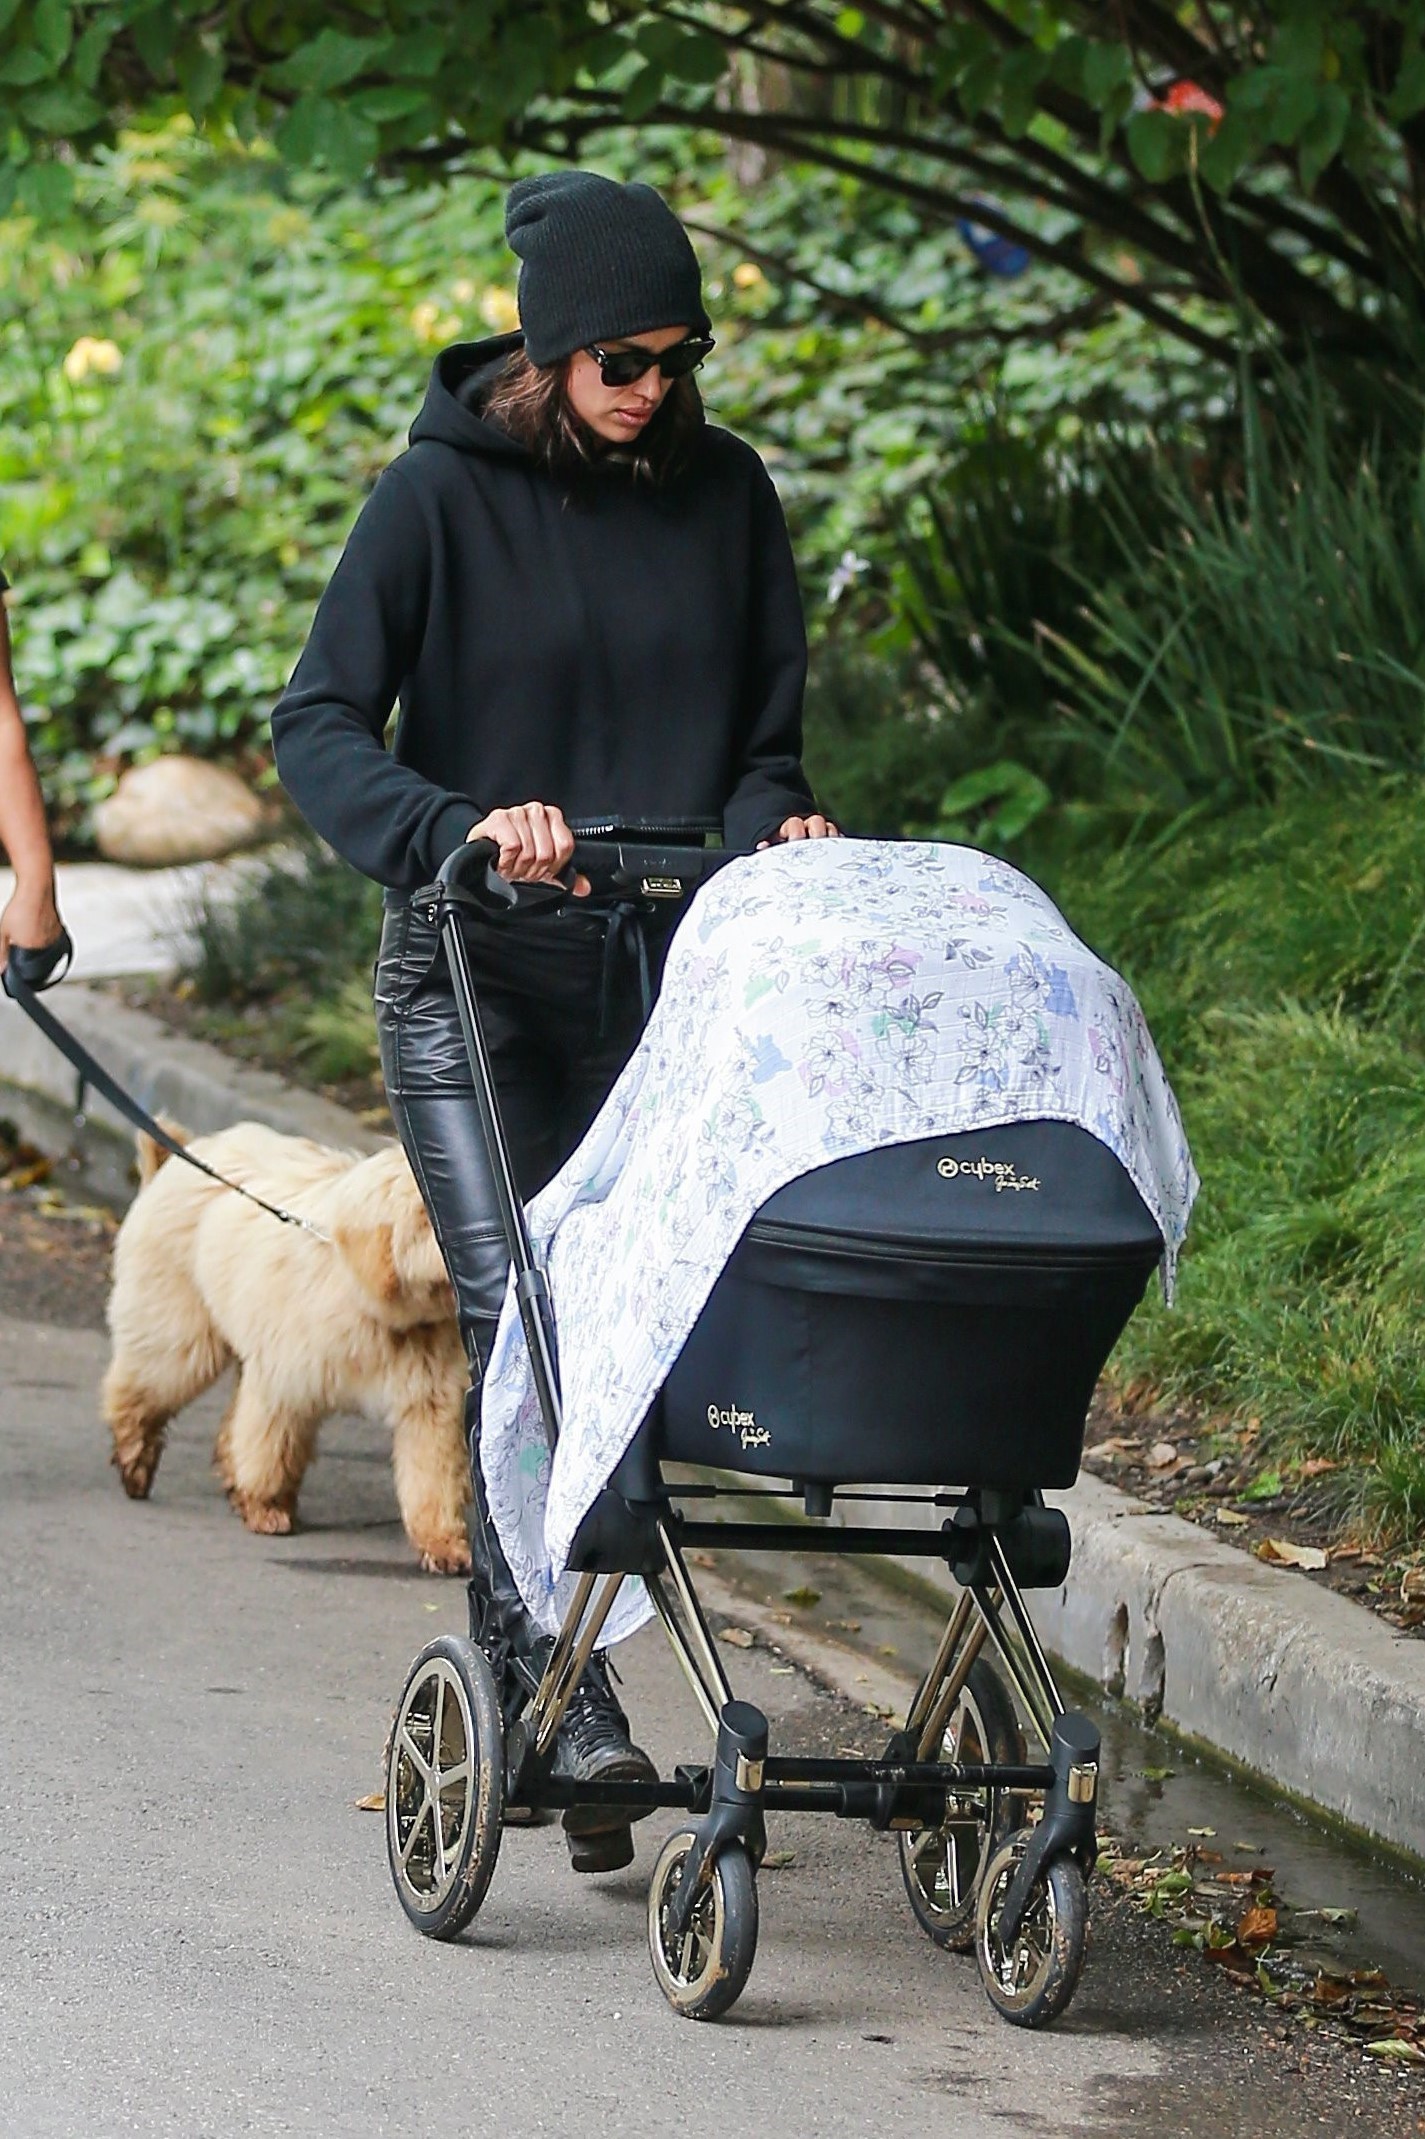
(813,827)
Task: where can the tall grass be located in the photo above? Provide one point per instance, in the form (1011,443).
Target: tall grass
(1280,956)
(1275,633)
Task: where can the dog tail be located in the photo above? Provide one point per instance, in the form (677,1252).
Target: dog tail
(151,1153)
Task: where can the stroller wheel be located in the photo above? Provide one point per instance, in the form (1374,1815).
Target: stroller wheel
(445,1787)
(1030,1981)
(941,1866)
(705,1970)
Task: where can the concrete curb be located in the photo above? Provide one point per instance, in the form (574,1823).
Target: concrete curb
(194,1083)
(1310,1692)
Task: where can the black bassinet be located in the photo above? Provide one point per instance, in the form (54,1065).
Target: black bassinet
(933,1313)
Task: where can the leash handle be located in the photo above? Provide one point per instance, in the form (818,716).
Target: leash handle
(37,968)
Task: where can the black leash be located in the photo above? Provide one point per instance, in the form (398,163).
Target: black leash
(26,973)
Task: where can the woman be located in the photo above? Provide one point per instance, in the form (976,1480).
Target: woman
(582,593)
(30,917)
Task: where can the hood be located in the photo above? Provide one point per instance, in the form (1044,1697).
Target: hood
(451,410)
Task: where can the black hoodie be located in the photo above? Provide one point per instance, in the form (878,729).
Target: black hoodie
(630,653)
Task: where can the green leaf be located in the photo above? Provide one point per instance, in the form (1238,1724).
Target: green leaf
(1106,70)
(391,100)
(318,130)
(1408,95)
(1020,78)
(643,92)
(46,190)
(1294,101)
(200,77)
(603,54)
(1321,138)
(978,83)
(698,58)
(9,9)
(155,35)
(61,110)
(90,50)
(1158,144)
(417,56)
(328,61)
(1226,151)
(52,28)
(25,66)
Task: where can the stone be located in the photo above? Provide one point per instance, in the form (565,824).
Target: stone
(179,809)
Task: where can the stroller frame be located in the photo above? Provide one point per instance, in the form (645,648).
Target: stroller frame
(1013,1890)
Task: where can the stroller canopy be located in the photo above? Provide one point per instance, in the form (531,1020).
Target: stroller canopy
(820,1000)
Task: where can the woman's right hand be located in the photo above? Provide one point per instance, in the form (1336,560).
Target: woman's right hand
(536,845)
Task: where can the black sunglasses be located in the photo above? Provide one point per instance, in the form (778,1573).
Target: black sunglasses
(620,367)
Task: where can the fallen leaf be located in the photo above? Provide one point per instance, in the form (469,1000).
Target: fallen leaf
(784,1671)
(1412,1586)
(1209,1832)
(845,1626)
(1230,1519)
(1157,1774)
(805,1595)
(702,1559)
(1257,1926)
(375,1803)
(1317,1466)
(1282,1549)
(1330,1990)
(1397,2050)
(1160,1455)
(1265,1486)
(779,1860)
(736,1637)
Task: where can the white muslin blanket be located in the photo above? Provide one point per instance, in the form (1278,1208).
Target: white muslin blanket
(819,999)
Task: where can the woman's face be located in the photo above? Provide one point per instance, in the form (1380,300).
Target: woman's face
(619,413)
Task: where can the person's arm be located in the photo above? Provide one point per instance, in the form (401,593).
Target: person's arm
(30,918)
(386,819)
(771,799)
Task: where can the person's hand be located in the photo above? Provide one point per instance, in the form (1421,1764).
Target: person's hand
(30,919)
(813,827)
(536,845)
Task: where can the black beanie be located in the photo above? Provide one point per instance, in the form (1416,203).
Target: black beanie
(598,261)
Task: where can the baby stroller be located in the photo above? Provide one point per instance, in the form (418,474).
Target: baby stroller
(898,1289)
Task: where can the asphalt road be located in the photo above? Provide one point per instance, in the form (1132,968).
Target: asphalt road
(197,1934)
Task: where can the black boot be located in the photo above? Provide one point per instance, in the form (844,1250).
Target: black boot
(593,1745)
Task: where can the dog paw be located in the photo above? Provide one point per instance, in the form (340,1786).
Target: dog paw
(135,1475)
(449,1557)
(268,1518)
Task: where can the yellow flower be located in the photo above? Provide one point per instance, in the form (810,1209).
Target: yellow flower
(499,310)
(462,291)
(423,319)
(90,354)
(747,275)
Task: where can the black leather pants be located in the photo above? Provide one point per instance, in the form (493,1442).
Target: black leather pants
(560,1019)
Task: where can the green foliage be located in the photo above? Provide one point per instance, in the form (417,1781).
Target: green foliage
(1260,631)
(299,923)
(1280,958)
(1267,160)
(200,376)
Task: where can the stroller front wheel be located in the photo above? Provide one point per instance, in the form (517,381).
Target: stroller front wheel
(941,1866)
(705,1970)
(445,1787)
(1030,1980)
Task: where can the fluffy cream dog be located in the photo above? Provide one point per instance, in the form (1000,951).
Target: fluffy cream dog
(363,1320)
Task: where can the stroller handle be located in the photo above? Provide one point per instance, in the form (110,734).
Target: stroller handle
(637,867)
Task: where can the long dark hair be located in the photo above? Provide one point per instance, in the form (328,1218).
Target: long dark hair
(531,402)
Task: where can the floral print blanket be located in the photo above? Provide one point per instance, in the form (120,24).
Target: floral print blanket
(819,999)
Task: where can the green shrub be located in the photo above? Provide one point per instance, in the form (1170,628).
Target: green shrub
(1262,632)
(1280,957)
(301,922)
